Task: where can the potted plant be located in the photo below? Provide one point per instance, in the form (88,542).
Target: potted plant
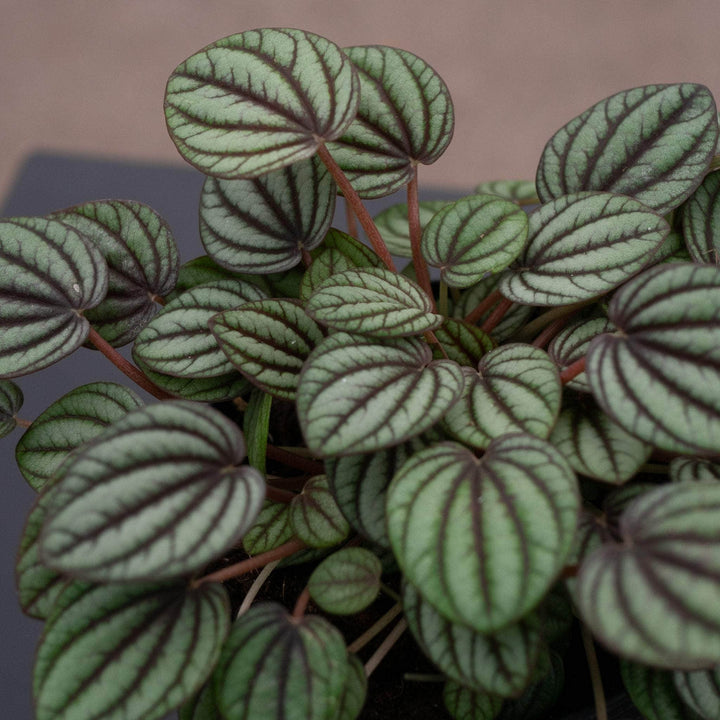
(510,444)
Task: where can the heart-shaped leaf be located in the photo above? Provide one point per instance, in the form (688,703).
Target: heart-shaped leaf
(659,375)
(672,129)
(649,596)
(263,224)
(11,400)
(142,259)
(405,117)
(260,100)
(539,700)
(516,389)
(119,651)
(274,667)
(359,395)
(463,343)
(70,422)
(464,704)
(268,341)
(700,690)
(484,538)
(157,496)
(355,691)
(394,226)
(178,341)
(202,706)
(501,663)
(49,275)
(581,246)
(685,469)
(346,582)
(701,221)
(271,528)
(520,191)
(315,517)
(473,237)
(373,301)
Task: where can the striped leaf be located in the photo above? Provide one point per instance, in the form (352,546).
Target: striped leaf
(256,423)
(360,395)
(346,582)
(11,400)
(516,388)
(69,423)
(405,117)
(263,224)
(271,528)
(274,667)
(701,221)
(268,341)
(202,706)
(659,375)
(685,469)
(654,143)
(49,276)
(178,341)
(501,663)
(484,538)
(315,517)
(142,259)
(649,597)
(473,237)
(595,445)
(463,343)
(464,704)
(157,496)
(259,100)
(354,692)
(373,301)
(700,691)
(582,246)
(119,651)
(538,701)
(395,229)
(520,191)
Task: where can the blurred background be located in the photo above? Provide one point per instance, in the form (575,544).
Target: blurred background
(87,76)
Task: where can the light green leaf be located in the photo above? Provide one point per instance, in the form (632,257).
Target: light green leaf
(700,691)
(537,702)
(256,421)
(484,538)
(685,469)
(49,276)
(659,375)
(473,237)
(260,100)
(11,400)
(263,224)
(359,395)
(701,221)
(202,706)
(157,496)
(520,191)
(353,697)
(654,143)
(395,229)
(463,343)
(271,528)
(582,246)
(120,651)
(373,301)
(464,704)
(315,517)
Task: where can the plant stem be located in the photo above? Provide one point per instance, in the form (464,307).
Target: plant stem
(374,629)
(492,299)
(573,370)
(387,644)
(255,588)
(314,467)
(421,268)
(550,331)
(542,321)
(353,199)
(351,221)
(253,563)
(496,315)
(125,366)
(600,706)
(21,422)
(301,604)
(423,677)
(443,301)
(390,593)
(306,258)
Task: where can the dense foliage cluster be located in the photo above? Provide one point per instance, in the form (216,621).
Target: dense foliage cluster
(518,432)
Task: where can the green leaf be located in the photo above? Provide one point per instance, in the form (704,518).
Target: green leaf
(463,343)
(142,259)
(659,375)
(260,100)
(473,237)
(501,663)
(263,224)
(315,517)
(464,704)
(373,301)
(49,276)
(685,469)
(597,446)
(11,400)
(256,421)
(520,191)
(539,699)
(353,697)
(202,706)
(274,667)
(516,389)
(395,229)
(405,117)
(346,582)
(484,538)
(178,341)
(701,221)
(700,690)
(649,597)
(359,395)
(670,129)
(582,246)
(157,496)
(70,422)
(271,528)
(268,341)
(119,651)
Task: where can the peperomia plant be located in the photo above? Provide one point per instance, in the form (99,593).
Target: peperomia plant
(515,437)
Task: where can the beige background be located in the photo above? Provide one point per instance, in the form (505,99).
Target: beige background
(88,76)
